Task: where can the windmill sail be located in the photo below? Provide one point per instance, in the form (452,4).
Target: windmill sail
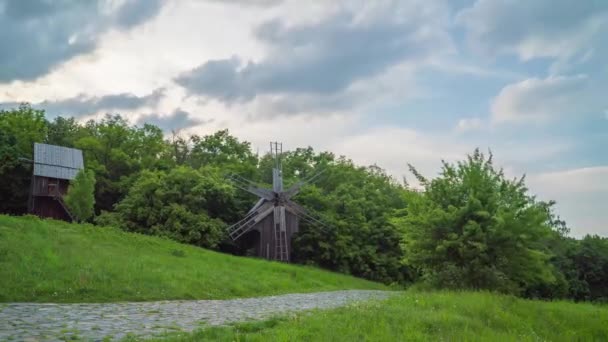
(243,226)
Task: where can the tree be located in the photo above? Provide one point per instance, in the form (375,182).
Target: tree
(473,228)
(20,128)
(64,132)
(222,149)
(80,198)
(356,202)
(184,204)
(118,152)
(590,260)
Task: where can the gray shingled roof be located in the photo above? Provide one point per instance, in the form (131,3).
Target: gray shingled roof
(57,161)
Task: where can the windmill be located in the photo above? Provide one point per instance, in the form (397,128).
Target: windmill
(275,216)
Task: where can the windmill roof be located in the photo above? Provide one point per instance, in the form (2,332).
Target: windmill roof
(57,161)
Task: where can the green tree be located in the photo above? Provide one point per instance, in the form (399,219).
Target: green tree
(27,125)
(184,204)
(80,197)
(590,260)
(356,203)
(473,228)
(20,128)
(118,152)
(64,132)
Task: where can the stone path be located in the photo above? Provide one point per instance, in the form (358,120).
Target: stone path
(96,321)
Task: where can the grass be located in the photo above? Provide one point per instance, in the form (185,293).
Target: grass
(53,261)
(432,316)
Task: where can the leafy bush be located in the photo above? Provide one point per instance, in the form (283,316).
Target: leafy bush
(183,204)
(80,198)
(473,228)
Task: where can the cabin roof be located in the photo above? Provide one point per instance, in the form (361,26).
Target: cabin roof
(57,161)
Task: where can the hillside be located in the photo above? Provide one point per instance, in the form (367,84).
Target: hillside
(433,316)
(53,261)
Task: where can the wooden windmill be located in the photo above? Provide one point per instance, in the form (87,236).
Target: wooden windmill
(275,216)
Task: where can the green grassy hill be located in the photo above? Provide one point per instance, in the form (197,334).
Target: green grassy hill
(433,316)
(52,261)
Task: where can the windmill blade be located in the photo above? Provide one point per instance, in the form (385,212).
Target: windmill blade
(251,187)
(243,226)
(257,205)
(295,189)
(302,213)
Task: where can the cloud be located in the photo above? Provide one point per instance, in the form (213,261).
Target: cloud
(533,29)
(325,57)
(580,194)
(393,148)
(175,121)
(217,79)
(135,12)
(38,35)
(83,105)
(581,181)
(261,3)
(551,98)
(469,124)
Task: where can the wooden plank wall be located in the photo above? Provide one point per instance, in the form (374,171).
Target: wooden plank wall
(42,186)
(48,207)
(266,247)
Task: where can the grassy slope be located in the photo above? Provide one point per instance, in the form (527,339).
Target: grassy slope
(439,316)
(52,261)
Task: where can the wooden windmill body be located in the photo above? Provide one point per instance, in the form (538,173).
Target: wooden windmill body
(54,168)
(275,216)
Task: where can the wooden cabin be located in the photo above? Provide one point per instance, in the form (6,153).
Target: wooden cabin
(54,167)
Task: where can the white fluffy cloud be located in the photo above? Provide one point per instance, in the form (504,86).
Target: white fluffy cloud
(551,98)
(469,124)
(583,180)
(579,194)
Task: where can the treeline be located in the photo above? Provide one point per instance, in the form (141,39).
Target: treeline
(470,227)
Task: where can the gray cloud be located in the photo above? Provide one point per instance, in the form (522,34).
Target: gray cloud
(540,28)
(176,121)
(38,35)
(133,13)
(325,57)
(82,105)
(261,3)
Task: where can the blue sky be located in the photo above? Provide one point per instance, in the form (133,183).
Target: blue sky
(383,82)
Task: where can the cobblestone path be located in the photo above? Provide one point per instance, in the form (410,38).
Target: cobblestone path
(96,321)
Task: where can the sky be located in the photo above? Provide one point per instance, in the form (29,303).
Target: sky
(381,82)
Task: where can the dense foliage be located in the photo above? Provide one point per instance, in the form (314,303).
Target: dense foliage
(470,227)
(183,204)
(474,228)
(19,130)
